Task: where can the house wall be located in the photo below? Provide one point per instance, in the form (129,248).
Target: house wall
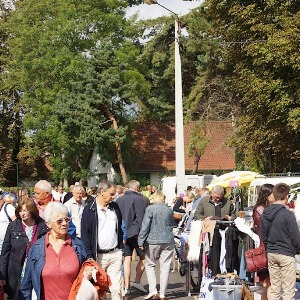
(155,178)
(100,170)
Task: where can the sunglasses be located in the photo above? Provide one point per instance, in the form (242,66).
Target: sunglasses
(60,221)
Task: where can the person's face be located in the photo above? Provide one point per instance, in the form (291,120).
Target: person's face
(271,198)
(109,195)
(24,213)
(216,197)
(41,196)
(60,189)
(59,224)
(77,195)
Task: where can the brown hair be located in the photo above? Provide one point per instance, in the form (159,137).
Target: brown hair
(280,191)
(30,205)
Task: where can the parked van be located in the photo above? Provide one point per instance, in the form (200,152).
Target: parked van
(291,180)
(168,184)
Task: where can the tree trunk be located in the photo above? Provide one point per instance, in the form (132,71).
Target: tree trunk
(196,163)
(118,148)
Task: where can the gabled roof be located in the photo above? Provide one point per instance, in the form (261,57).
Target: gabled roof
(154,147)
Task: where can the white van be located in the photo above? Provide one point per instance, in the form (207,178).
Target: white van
(255,185)
(168,185)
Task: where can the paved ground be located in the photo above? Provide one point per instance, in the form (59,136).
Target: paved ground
(176,287)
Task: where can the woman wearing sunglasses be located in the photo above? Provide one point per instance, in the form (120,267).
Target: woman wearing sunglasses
(54,260)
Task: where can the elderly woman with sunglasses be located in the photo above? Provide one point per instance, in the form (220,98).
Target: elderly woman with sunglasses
(54,261)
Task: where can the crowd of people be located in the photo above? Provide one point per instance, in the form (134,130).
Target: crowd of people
(51,241)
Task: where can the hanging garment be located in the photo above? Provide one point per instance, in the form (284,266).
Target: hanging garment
(232,244)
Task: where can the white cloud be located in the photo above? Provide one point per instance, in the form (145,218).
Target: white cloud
(179,7)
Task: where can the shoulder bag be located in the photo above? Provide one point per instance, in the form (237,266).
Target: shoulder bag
(256,259)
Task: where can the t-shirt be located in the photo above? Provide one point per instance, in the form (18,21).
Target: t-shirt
(4,220)
(60,271)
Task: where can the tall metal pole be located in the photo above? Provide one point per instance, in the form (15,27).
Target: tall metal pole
(179,132)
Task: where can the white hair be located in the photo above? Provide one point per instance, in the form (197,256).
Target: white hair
(44,185)
(78,187)
(54,208)
(218,190)
(133,184)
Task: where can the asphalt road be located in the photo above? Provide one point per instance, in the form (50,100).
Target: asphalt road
(176,287)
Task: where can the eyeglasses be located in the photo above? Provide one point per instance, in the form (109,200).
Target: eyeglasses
(60,221)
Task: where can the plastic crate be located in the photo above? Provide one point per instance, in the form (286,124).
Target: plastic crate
(227,292)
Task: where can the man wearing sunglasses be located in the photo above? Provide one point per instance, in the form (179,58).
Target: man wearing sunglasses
(102,235)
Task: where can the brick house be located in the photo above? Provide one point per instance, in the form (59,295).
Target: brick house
(153,151)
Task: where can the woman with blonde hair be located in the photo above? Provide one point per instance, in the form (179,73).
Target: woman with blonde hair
(156,238)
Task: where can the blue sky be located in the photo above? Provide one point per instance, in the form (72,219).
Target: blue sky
(180,7)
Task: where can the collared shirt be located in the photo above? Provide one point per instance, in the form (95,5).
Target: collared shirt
(60,270)
(75,210)
(107,228)
(41,208)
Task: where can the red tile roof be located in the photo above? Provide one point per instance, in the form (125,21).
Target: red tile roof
(154,148)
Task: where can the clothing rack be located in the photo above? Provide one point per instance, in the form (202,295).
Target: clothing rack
(224,222)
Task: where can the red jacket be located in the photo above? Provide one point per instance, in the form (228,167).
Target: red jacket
(102,283)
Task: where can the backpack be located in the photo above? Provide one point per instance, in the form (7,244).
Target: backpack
(5,210)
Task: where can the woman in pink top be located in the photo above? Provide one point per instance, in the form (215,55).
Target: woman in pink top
(54,260)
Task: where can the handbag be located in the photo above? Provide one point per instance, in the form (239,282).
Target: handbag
(256,259)
(177,216)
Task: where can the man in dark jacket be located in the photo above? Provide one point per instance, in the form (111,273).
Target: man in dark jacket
(102,236)
(280,234)
(132,205)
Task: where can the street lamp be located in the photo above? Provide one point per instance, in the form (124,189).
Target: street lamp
(179,134)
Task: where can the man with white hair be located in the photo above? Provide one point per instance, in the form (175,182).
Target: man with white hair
(132,205)
(215,206)
(75,208)
(43,196)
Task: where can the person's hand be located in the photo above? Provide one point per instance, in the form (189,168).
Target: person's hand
(141,247)
(229,218)
(87,273)
(124,242)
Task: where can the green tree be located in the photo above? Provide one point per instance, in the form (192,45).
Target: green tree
(53,46)
(259,43)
